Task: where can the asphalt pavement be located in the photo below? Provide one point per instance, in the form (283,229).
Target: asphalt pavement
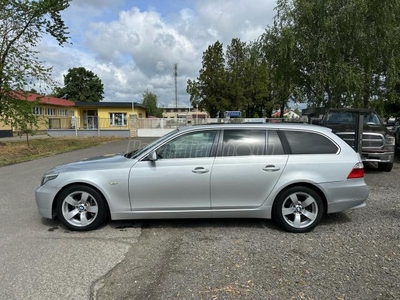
(40,259)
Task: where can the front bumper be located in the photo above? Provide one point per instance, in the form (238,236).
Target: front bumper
(45,196)
(385,157)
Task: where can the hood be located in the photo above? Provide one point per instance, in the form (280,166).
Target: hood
(350,128)
(108,161)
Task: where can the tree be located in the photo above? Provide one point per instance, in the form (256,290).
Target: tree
(81,85)
(23,23)
(257,85)
(210,86)
(235,73)
(150,102)
(346,51)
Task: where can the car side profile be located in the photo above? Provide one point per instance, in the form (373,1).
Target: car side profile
(293,173)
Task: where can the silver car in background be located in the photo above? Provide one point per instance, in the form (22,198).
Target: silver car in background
(289,172)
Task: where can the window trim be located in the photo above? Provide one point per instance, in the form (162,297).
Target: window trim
(37,111)
(50,112)
(62,112)
(112,119)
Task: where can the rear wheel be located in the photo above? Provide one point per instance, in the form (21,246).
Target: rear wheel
(298,209)
(81,208)
(385,167)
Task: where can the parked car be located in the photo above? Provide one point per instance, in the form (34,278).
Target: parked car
(293,173)
(377,140)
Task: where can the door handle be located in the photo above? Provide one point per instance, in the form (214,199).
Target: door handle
(200,170)
(271,168)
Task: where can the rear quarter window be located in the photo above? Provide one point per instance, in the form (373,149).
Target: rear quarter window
(301,142)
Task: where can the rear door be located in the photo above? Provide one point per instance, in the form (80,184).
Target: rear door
(246,169)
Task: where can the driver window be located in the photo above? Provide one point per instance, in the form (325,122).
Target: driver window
(191,145)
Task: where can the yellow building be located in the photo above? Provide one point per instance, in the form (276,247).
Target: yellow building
(59,114)
(53,112)
(106,115)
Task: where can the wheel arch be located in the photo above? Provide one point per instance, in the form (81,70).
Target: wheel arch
(55,200)
(303,184)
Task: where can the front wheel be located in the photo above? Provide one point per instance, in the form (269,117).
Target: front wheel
(298,209)
(81,208)
(385,167)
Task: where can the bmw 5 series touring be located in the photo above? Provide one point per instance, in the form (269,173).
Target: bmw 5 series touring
(294,174)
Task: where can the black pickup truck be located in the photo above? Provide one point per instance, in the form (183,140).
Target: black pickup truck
(377,141)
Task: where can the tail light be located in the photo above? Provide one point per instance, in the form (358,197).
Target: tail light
(357,171)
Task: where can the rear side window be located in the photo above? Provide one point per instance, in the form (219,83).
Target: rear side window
(309,143)
(243,142)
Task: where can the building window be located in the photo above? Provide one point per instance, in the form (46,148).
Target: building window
(37,110)
(50,111)
(117,119)
(62,112)
(71,113)
(140,115)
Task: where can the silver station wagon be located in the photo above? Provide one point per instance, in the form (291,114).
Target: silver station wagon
(289,172)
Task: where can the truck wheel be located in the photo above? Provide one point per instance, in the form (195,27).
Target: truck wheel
(385,167)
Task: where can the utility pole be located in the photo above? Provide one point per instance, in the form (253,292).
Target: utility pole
(176,84)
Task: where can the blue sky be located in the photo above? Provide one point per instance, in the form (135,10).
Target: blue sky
(132,45)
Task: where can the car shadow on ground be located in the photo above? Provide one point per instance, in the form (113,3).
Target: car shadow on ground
(194,223)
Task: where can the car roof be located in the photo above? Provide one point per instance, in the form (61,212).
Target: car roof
(293,126)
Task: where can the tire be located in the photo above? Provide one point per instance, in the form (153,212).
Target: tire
(81,208)
(385,167)
(291,214)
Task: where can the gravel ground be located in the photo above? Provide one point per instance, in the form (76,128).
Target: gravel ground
(350,255)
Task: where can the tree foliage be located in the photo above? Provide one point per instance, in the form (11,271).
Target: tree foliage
(346,49)
(234,81)
(81,85)
(151,105)
(22,25)
(331,53)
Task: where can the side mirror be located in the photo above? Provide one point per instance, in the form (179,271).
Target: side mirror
(152,156)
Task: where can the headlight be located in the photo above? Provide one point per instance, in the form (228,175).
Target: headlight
(389,140)
(48,177)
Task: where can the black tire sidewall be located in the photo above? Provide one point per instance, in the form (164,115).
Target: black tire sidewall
(277,208)
(385,167)
(101,213)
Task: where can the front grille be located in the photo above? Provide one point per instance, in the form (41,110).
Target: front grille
(370,140)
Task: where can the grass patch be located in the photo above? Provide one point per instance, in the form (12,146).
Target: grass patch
(18,151)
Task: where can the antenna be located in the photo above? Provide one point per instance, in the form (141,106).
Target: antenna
(176,84)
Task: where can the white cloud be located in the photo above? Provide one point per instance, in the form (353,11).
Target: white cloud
(133,50)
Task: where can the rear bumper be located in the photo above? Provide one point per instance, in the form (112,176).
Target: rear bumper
(341,196)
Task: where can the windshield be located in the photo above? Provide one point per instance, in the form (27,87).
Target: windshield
(138,152)
(349,117)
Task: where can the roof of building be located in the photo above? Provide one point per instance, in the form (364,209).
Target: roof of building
(108,104)
(43,99)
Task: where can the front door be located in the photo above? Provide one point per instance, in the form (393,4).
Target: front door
(179,179)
